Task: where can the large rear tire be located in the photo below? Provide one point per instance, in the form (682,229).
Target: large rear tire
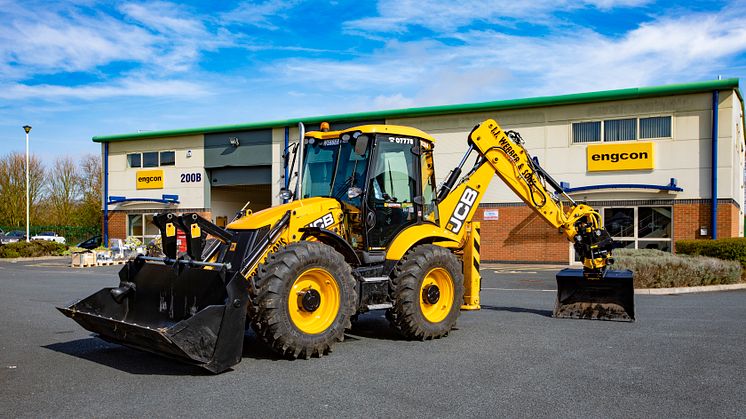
(427,291)
(303,301)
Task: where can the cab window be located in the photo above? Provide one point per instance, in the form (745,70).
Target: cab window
(392,188)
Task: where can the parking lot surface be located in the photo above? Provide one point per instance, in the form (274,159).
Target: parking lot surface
(685,356)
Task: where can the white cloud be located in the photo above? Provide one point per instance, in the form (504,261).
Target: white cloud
(259,14)
(489,65)
(158,40)
(443,16)
(92,92)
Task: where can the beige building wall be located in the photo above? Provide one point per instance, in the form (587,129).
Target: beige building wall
(122,179)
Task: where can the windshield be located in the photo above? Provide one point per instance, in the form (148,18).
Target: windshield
(331,168)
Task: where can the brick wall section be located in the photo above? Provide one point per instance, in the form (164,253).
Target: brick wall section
(118,221)
(520,236)
(117,225)
(688,218)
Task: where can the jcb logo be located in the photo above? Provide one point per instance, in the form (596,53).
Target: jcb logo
(462,210)
(323,222)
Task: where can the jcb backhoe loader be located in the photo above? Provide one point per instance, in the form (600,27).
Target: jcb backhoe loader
(366,230)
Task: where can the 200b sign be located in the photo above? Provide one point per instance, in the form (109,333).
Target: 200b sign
(191,177)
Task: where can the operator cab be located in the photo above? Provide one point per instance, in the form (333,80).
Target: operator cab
(383,175)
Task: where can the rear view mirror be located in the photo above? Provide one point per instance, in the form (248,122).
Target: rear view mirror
(361,144)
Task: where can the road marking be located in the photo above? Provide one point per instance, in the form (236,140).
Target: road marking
(516,289)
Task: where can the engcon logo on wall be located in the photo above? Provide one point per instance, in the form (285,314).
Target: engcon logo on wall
(149,179)
(627,156)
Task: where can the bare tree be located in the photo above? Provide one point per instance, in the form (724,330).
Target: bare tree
(89,211)
(13,188)
(64,190)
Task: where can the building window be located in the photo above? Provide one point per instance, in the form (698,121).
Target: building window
(168,158)
(637,228)
(655,127)
(150,159)
(134,160)
(141,226)
(586,132)
(620,130)
(640,227)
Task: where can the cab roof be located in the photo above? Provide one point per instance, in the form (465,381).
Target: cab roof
(374,129)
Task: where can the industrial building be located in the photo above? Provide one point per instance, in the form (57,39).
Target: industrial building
(660,163)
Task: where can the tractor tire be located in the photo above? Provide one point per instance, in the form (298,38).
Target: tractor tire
(419,311)
(303,299)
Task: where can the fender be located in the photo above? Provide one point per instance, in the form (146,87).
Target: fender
(334,240)
(420,233)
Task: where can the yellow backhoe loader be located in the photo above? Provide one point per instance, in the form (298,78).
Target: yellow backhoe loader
(365,229)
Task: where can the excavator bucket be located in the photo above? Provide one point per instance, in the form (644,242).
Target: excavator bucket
(608,297)
(192,314)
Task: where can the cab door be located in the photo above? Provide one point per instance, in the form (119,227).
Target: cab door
(394,182)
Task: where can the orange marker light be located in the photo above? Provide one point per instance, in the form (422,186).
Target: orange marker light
(324,126)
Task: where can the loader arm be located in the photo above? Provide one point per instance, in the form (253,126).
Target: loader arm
(502,153)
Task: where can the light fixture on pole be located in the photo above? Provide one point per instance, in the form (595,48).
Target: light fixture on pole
(27,128)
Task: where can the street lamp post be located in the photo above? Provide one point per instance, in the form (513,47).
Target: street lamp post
(27,128)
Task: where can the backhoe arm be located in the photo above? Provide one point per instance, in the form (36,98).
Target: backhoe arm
(502,153)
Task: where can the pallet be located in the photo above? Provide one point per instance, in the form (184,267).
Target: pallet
(83,265)
(110,262)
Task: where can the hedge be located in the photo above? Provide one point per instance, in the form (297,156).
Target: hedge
(658,269)
(33,248)
(726,249)
(72,234)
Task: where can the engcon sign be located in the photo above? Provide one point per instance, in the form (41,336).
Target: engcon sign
(149,179)
(626,156)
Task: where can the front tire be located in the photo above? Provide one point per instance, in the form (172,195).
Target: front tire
(303,300)
(427,291)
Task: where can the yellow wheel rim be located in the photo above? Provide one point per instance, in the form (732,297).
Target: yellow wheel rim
(322,285)
(437,311)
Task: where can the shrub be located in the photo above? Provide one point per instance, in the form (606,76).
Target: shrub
(34,248)
(657,269)
(726,249)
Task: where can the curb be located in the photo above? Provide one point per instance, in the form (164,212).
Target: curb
(689,290)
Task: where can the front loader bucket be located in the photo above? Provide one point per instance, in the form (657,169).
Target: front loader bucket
(610,297)
(181,312)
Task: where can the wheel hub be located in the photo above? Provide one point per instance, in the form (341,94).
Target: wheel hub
(310,300)
(431,294)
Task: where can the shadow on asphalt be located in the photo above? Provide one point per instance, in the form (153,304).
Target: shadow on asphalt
(138,362)
(124,359)
(545,313)
(373,326)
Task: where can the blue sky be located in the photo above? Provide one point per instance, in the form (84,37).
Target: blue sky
(82,68)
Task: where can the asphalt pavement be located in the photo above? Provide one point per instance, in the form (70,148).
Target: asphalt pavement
(684,357)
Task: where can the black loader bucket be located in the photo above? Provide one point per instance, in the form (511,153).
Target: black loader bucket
(181,309)
(607,297)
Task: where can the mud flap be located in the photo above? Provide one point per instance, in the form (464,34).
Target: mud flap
(610,297)
(190,314)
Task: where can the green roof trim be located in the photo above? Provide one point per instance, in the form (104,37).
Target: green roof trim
(590,97)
